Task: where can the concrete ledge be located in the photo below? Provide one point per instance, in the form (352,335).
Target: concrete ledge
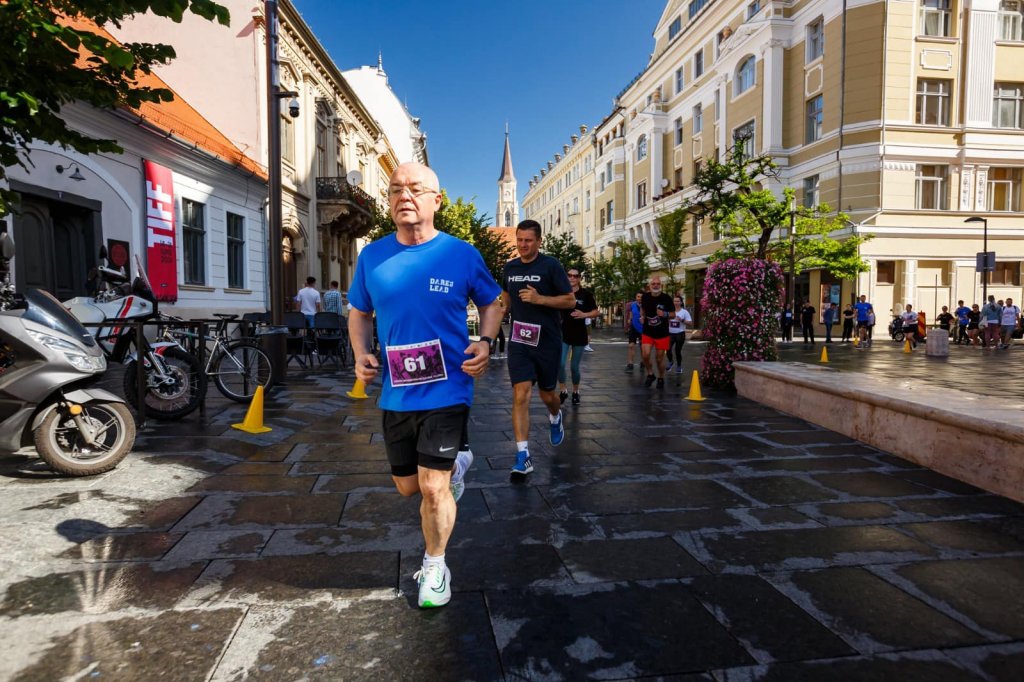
(975,439)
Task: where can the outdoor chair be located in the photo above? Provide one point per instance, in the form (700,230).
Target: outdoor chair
(298,343)
(329,338)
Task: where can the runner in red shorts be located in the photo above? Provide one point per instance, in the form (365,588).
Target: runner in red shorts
(655,306)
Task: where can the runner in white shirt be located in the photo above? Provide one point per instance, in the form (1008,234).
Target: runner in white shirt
(1009,319)
(677,334)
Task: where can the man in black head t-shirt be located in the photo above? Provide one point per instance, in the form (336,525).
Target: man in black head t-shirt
(656,307)
(536,290)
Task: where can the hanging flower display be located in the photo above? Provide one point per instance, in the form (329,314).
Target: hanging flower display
(740,302)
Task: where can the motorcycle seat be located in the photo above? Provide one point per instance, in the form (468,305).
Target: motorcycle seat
(226,316)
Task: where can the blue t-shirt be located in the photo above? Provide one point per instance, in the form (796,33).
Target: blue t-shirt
(420,295)
(963,314)
(635,317)
(862,311)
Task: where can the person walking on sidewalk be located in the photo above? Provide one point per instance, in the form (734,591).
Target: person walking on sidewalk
(864,311)
(1009,318)
(787,323)
(574,335)
(332,300)
(308,299)
(536,290)
(418,282)
(678,321)
(634,329)
(830,314)
(963,318)
(848,317)
(655,307)
(807,322)
(910,330)
(990,314)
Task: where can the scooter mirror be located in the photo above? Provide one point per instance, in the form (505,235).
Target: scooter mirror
(6,245)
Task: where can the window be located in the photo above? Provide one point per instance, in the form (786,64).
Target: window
(696,6)
(586,202)
(677,177)
(815,39)
(745,75)
(1007,111)
(611,211)
(236,251)
(680,79)
(932,102)
(1010,20)
(193,229)
(698,64)
(752,9)
(1004,189)
(679,131)
(718,103)
(698,119)
(287,140)
(641,148)
(696,168)
(339,160)
(321,150)
(814,119)
(608,177)
(641,194)
(934,17)
(811,191)
(885,272)
(745,135)
(1006,273)
(696,229)
(675,27)
(603,222)
(603,182)
(932,193)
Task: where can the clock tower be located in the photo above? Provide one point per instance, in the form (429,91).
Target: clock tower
(508,206)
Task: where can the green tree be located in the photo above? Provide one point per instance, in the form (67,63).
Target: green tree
(745,216)
(630,261)
(604,283)
(671,245)
(45,64)
(564,249)
(458,218)
(495,251)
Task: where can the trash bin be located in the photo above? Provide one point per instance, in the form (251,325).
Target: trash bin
(274,340)
(937,343)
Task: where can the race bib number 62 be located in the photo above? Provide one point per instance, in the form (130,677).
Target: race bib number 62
(524,332)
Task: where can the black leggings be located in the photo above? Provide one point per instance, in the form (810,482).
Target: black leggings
(675,342)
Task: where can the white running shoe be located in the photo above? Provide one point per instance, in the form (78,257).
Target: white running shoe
(463,461)
(435,581)
(588,348)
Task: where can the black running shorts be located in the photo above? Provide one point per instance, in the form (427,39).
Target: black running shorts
(632,335)
(424,438)
(537,364)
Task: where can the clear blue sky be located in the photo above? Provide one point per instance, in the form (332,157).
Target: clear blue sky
(465,67)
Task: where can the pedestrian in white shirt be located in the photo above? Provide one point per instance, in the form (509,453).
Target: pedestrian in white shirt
(308,299)
(1009,319)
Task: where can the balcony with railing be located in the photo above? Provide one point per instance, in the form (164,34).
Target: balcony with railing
(343,208)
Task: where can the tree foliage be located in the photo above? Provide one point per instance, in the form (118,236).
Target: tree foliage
(745,216)
(495,250)
(671,245)
(564,249)
(45,64)
(630,262)
(604,282)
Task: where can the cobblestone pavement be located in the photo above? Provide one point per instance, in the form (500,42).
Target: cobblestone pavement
(663,539)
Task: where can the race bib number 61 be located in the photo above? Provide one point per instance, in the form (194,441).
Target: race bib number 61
(416,363)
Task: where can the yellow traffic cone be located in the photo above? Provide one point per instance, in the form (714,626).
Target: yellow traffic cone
(253,422)
(856,341)
(358,390)
(824,354)
(695,395)
(907,347)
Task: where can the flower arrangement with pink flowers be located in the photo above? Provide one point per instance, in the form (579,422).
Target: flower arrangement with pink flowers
(740,302)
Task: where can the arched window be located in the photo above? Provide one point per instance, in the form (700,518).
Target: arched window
(641,148)
(745,75)
(508,219)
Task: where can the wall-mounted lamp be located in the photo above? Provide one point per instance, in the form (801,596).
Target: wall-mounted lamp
(77,175)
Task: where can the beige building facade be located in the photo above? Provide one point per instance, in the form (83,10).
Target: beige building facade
(908,115)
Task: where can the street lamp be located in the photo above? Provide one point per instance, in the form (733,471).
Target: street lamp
(792,257)
(984,247)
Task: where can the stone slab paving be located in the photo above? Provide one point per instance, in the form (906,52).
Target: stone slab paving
(662,540)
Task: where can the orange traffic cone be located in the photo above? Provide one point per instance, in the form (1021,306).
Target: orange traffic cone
(907,348)
(824,355)
(253,422)
(695,395)
(856,341)
(358,390)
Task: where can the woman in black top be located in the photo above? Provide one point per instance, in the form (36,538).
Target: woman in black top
(847,322)
(807,321)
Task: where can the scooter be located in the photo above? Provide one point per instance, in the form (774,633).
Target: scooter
(175,381)
(47,361)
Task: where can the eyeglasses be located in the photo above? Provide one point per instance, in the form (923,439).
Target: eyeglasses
(415,191)
(573,274)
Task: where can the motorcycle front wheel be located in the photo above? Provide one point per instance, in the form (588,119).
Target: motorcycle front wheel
(180,395)
(61,444)
(897,336)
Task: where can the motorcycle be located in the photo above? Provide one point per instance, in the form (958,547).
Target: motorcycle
(175,381)
(47,361)
(896,329)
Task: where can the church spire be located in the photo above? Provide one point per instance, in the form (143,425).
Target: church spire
(506,162)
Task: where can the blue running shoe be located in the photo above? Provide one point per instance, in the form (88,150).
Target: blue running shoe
(557,432)
(523,465)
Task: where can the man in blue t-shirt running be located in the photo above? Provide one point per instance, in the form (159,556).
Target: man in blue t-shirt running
(418,281)
(863,309)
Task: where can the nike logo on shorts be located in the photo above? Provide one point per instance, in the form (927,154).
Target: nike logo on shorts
(447,449)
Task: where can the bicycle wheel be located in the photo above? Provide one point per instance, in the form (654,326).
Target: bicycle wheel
(239,368)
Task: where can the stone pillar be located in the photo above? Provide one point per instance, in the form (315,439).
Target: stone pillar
(909,289)
(773,59)
(981,63)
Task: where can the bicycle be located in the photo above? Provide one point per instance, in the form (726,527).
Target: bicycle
(237,366)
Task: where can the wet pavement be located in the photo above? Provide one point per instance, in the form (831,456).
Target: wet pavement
(663,539)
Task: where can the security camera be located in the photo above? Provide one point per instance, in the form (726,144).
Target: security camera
(293,107)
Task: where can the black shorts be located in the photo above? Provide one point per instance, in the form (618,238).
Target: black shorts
(632,335)
(538,364)
(424,438)
(862,323)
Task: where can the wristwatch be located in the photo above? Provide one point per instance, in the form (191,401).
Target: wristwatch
(489,340)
